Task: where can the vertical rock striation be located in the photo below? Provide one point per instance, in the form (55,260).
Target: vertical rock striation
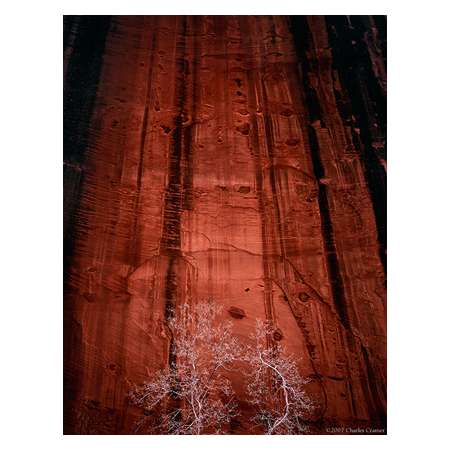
(240,159)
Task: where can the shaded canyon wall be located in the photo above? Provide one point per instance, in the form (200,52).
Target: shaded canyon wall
(240,159)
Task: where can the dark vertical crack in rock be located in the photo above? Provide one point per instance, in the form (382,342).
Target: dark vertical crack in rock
(171,233)
(368,102)
(134,250)
(301,33)
(84,41)
(84,65)
(255,146)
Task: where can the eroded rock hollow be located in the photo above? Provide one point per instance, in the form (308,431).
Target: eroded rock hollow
(240,159)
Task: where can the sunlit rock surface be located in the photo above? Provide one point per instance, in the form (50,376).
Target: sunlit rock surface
(240,159)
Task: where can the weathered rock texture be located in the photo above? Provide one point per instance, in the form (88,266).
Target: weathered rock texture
(235,158)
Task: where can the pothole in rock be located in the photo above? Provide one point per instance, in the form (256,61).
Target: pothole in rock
(244,190)
(304,296)
(244,129)
(278,334)
(236,313)
(286,112)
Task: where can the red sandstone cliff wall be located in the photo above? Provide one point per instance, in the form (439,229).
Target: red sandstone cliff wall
(234,158)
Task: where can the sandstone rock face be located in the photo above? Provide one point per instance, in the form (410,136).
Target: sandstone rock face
(240,159)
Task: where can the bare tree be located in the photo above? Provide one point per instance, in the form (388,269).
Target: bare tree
(275,387)
(193,396)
